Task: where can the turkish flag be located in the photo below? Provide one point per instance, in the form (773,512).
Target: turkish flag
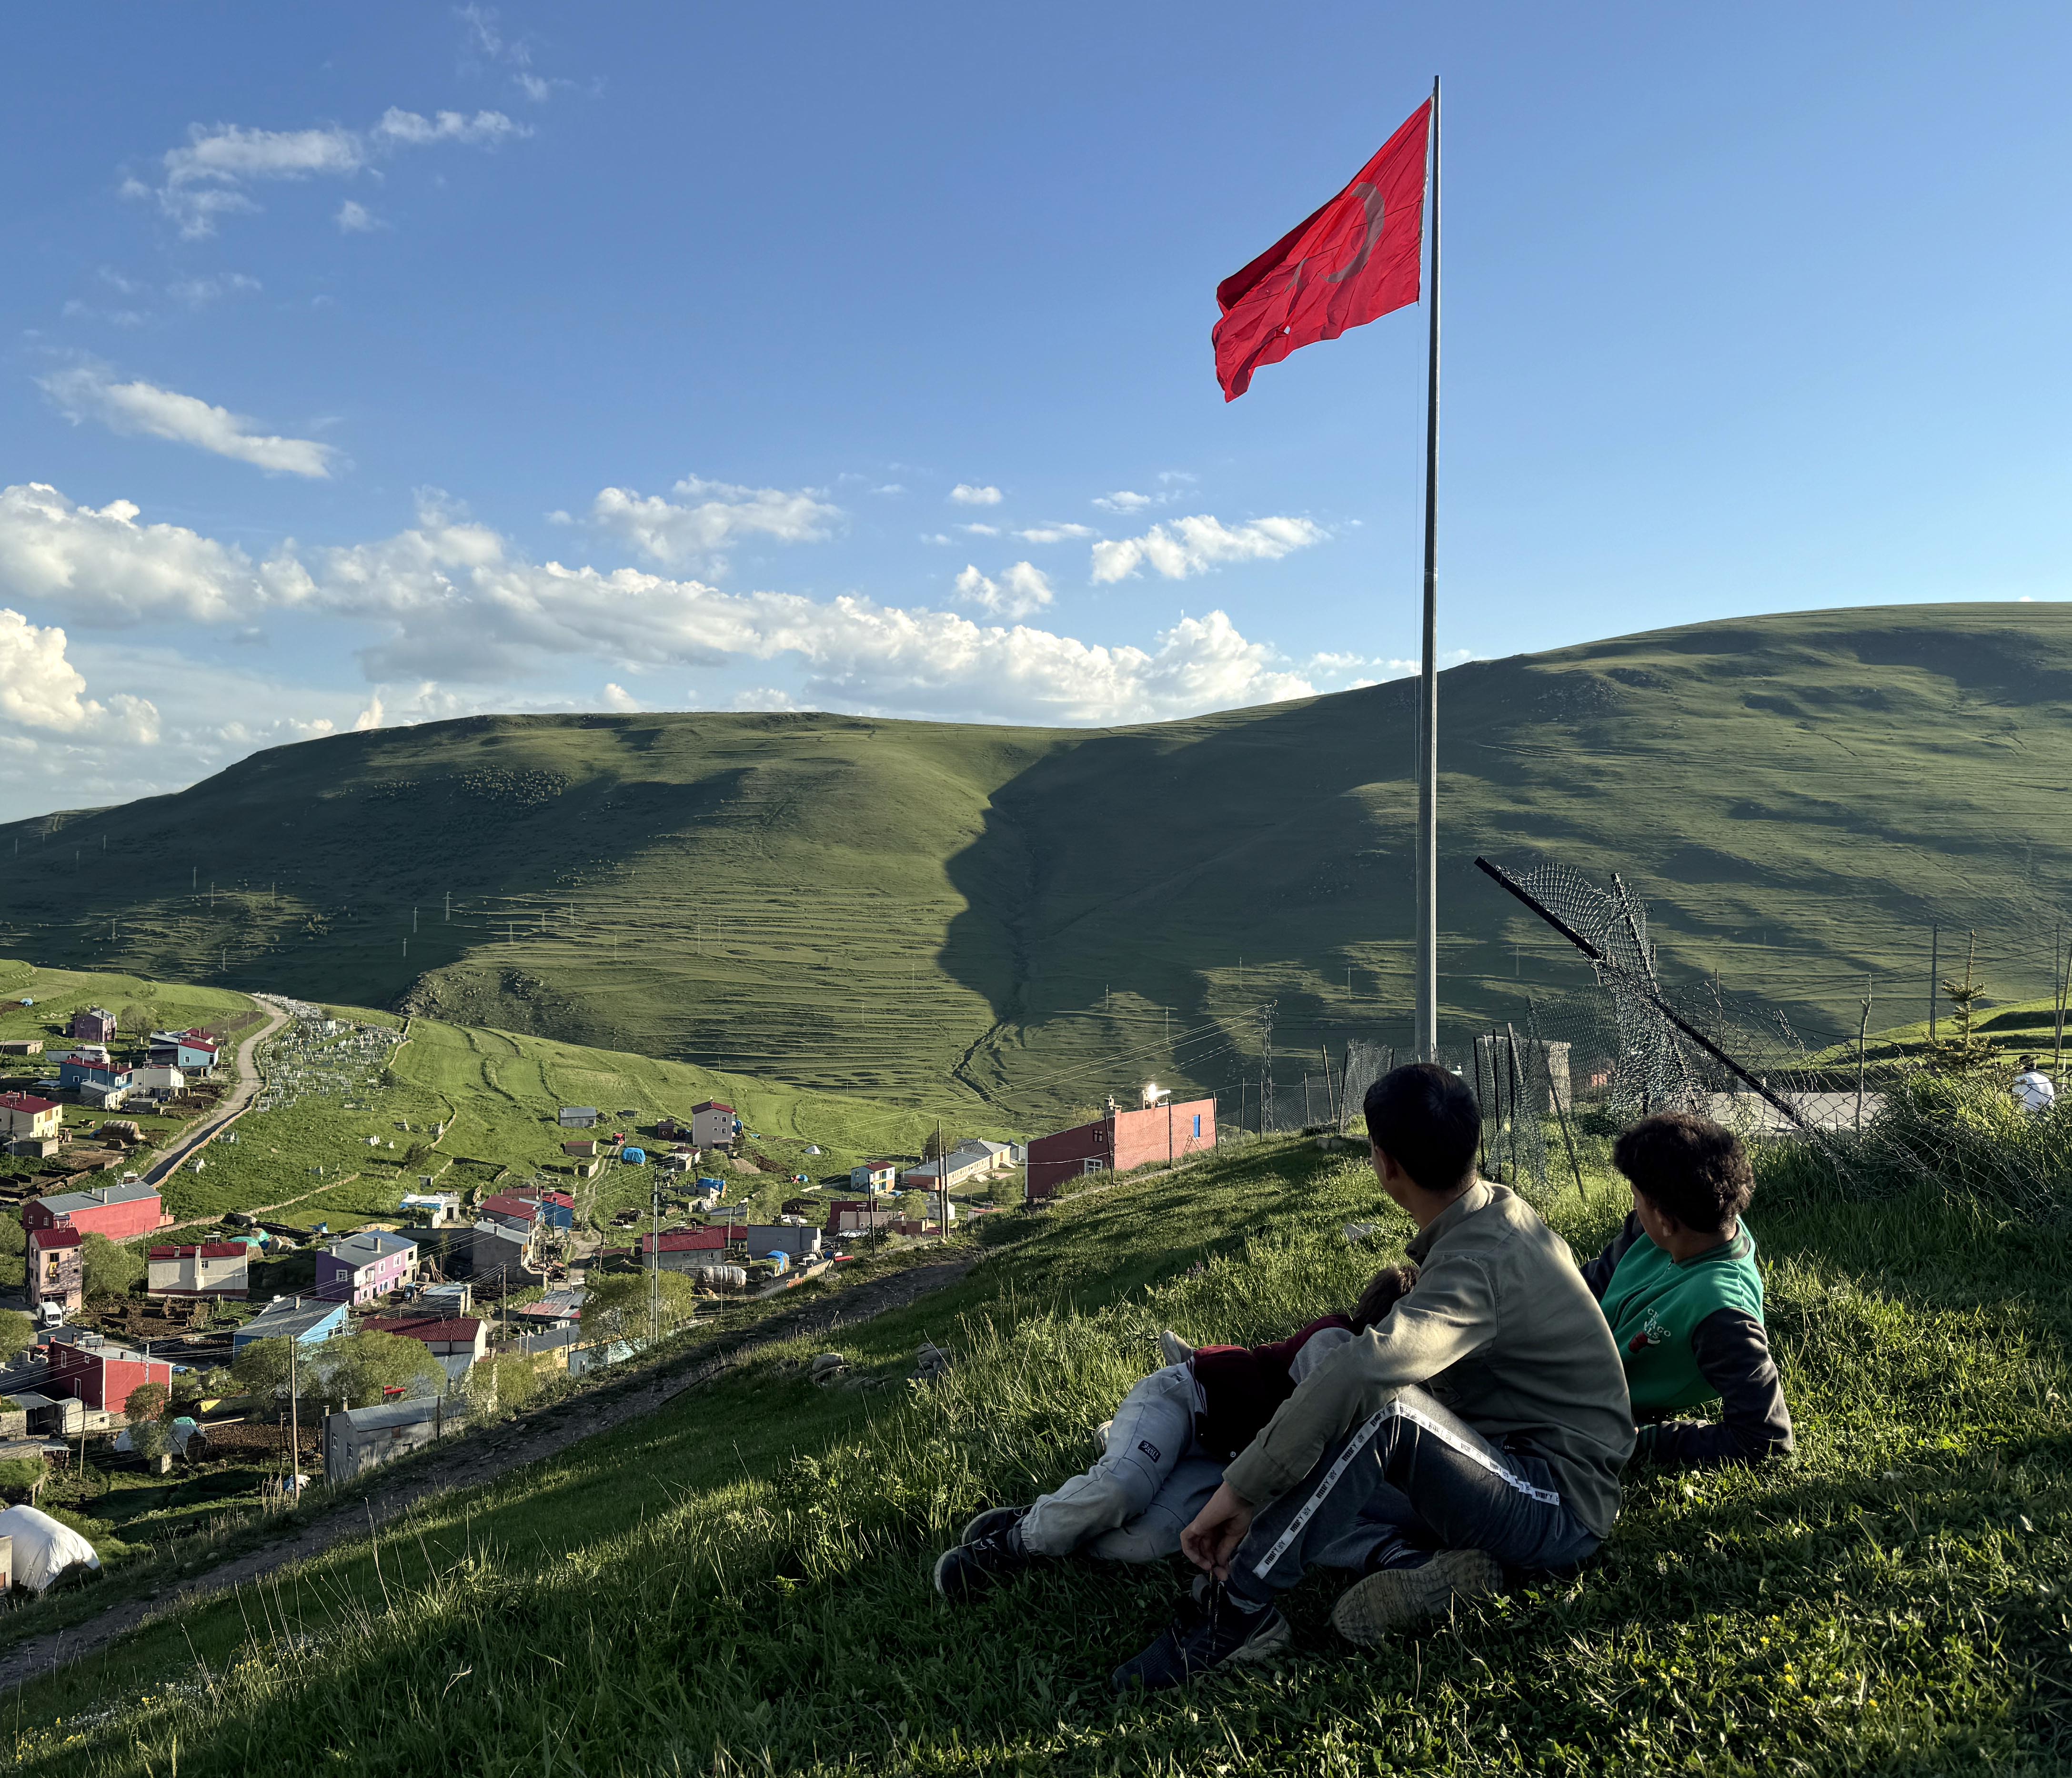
(1355,259)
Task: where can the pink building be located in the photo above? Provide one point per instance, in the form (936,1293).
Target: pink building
(363,1266)
(118,1211)
(1120,1141)
(56,1269)
(96,1025)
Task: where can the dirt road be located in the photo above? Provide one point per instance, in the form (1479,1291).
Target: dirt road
(234,1103)
(469,1459)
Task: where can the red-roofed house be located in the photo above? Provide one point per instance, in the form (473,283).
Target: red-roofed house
(191,1051)
(56,1268)
(100,1375)
(683,1250)
(456,1342)
(24,1114)
(216,1268)
(713,1124)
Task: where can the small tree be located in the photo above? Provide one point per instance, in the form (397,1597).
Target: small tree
(17,1334)
(359,1369)
(12,1238)
(261,1370)
(1967,1052)
(502,1384)
(107,1268)
(617,1308)
(146,1413)
(937,1146)
(23,1475)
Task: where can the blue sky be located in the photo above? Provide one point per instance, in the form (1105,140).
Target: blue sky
(371,364)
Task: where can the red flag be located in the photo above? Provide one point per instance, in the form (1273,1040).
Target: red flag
(1353,260)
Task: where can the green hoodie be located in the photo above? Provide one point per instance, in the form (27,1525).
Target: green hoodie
(1654,1303)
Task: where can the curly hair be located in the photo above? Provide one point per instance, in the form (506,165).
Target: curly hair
(1688,1166)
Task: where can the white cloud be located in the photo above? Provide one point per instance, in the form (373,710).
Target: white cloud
(1057,533)
(106,569)
(205,180)
(617,697)
(198,293)
(979,530)
(890,487)
(1194,545)
(40,689)
(1018,593)
(355,218)
(1180,476)
(965,494)
(88,392)
(451,603)
(1122,500)
(371,717)
(679,531)
(765,698)
(937,537)
(407,129)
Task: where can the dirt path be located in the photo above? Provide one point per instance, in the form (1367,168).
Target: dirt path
(232,1107)
(469,1459)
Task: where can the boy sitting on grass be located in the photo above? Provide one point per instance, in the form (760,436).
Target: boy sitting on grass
(1165,1454)
(1680,1289)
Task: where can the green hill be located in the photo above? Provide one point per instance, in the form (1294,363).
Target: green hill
(1032,918)
(738,1581)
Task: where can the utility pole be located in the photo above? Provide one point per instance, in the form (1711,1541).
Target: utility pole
(1934,948)
(295,1425)
(942,1181)
(655,1282)
(1863,1027)
(1265,1060)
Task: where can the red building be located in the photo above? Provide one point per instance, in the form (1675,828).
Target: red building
(102,1375)
(1120,1141)
(118,1211)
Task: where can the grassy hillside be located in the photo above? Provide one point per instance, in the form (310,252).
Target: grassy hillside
(497,1093)
(1034,917)
(739,1583)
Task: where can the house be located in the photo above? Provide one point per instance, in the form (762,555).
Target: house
(118,1211)
(191,1051)
(966,1162)
(82,1071)
(1119,1141)
(216,1268)
(517,1211)
(496,1256)
(557,1210)
(307,1323)
(456,1343)
(578,1117)
(846,1218)
(800,1243)
(55,1268)
(436,1207)
(713,1124)
(445,1301)
(362,1438)
(685,1249)
(562,1308)
(23,1046)
(583,1148)
(101,1374)
(157,1083)
(874,1175)
(96,1025)
(104,1095)
(363,1266)
(24,1114)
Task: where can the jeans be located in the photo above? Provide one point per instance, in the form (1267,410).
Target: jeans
(1412,1479)
(1144,1489)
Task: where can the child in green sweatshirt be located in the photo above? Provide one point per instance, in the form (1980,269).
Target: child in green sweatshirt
(1681,1291)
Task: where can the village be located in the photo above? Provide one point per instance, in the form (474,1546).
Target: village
(246,1354)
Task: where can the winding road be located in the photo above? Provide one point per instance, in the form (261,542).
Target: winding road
(235,1104)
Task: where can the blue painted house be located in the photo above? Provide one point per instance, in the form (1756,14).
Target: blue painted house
(307,1323)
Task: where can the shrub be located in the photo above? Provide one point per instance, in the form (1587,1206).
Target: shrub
(109,1269)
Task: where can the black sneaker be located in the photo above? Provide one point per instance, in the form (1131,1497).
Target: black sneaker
(979,1564)
(1211,1632)
(993,1521)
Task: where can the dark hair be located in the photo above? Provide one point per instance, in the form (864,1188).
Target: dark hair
(1427,1120)
(1689,1166)
(2026,1063)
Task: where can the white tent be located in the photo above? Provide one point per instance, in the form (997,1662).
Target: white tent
(43,1549)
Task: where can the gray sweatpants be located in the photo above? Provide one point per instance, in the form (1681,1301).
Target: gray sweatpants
(1144,1489)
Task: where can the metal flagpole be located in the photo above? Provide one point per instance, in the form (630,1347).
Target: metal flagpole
(1428,723)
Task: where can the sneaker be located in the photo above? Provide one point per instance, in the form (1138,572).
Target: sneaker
(977,1566)
(1176,1350)
(1392,1599)
(1216,1632)
(993,1521)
